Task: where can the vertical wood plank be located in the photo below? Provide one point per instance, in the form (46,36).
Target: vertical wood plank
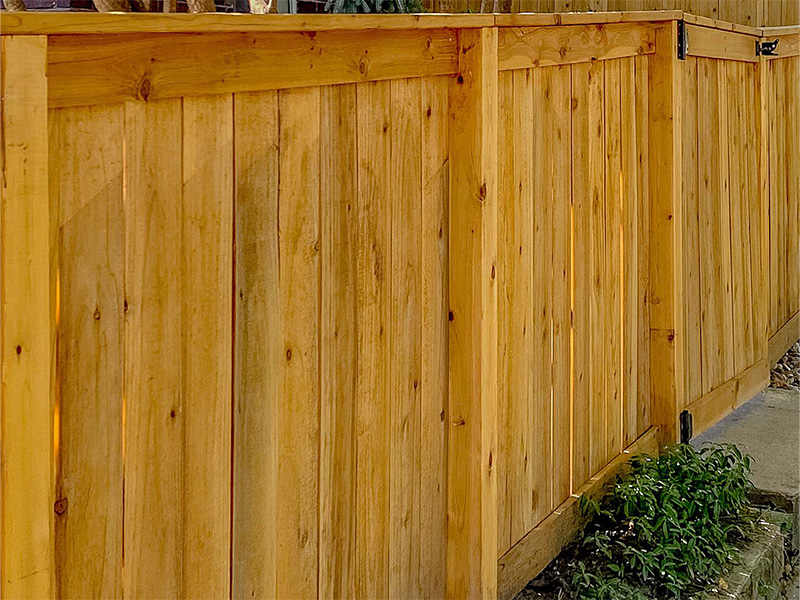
(666,241)
(561,366)
(406,336)
(298,411)
(207,342)
(612,288)
(472,484)
(773,188)
(90,343)
(435,302)
(581,204)
(540,413)
(629,244)
(338,361)
(518,286)
(691,206)
(257,349)
(153,412)
(27,325)
(507,464)
(792,161)
(642,65)
(597,250)
(372,405)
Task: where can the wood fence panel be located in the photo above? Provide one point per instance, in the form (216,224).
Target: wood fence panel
(569,257)
(780,84)
(714,232)
(87,185)
(362,336)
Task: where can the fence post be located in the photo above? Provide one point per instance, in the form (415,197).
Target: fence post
(472,485)
(667,336)
(27,326)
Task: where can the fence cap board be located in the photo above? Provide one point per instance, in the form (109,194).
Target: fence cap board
(589,18)
(783,30)
(32,23)
(721,25)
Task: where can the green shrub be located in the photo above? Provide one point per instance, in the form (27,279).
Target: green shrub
(666,529)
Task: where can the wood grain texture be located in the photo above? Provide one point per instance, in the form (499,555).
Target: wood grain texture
(258,351)
(299,409)
(725,45)
(207,343)
(88,188)
(691,203)
(27,325)
(540,411)
(152,333)
(472,439)
(372,402)
(435,303)
(97,68)
(560,155)
(406,351)
(533,553)
(667,350)
(338,360)
(523,47)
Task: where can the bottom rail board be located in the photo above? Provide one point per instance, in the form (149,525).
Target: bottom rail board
(783,339)
(542,544)
(723,400)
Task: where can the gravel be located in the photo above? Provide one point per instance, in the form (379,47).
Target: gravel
(786,374)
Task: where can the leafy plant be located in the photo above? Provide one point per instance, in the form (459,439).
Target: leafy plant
(666,529)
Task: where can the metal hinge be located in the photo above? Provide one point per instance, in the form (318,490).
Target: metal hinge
(767,48)
(686,426)
(683,41)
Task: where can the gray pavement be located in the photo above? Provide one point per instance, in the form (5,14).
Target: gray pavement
(768,428)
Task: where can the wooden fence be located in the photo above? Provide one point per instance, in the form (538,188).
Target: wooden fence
(359,306)
(755,13)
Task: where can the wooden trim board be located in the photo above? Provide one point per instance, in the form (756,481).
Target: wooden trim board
(726,45)
(27,327)
(525,47)
(783,339)
(27,23)
(528,557)
(788,45)
(723,400)
(102,69)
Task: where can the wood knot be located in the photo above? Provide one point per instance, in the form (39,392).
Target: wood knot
(60,506)
(144,89)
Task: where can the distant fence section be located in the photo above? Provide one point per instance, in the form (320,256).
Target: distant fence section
(359,306)
(755,13)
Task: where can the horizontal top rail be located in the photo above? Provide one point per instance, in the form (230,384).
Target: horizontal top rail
(47,23)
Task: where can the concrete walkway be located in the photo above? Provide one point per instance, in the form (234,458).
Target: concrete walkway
(768,428)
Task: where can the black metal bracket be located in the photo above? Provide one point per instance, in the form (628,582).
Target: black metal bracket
(767,48)
(686,426)
(683,41)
